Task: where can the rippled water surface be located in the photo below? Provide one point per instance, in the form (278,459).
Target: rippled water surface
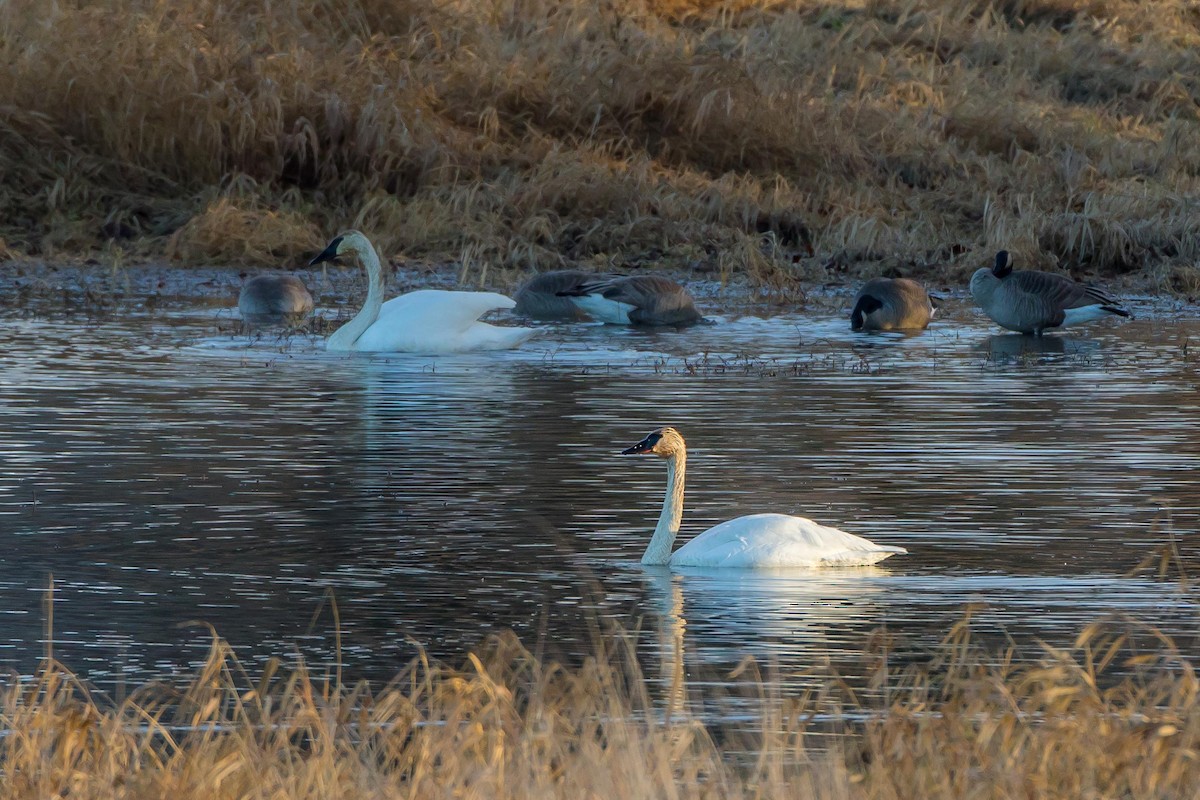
(164,469)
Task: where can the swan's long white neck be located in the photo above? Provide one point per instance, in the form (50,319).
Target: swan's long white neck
(345,337)
(659,549)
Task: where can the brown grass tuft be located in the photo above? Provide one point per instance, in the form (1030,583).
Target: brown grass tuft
(239,232)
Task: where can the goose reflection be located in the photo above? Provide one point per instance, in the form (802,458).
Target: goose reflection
(1009,346)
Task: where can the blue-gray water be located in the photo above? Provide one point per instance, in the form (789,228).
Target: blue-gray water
(164,469)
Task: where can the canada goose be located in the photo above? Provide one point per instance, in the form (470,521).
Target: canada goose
(635,300)
(1028,301)
(539,296)
(266,296)
(757,540)
(891,304)
(424,321)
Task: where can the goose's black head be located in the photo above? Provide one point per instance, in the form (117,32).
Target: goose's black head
(865,305)
(1004,264)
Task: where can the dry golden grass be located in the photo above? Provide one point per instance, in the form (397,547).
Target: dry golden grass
(233,233)
(969,724)
(760,139)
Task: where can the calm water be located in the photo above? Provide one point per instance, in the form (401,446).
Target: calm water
(164,469)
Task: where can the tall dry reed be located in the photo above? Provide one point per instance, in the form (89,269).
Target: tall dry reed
(760,139)
(969,723)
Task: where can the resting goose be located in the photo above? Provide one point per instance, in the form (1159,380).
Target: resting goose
(891,304)
(635,300)
(540,297)
(266,296)
(1029,301)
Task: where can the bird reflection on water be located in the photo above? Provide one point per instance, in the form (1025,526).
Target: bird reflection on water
(1013,346)
(711,618)
(162,484)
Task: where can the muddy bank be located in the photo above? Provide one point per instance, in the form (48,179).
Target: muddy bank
(45,286)
(50,289)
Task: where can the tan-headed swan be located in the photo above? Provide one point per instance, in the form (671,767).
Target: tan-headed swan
(760,541)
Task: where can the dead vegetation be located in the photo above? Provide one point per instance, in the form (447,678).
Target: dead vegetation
(759,140)
(1115,715)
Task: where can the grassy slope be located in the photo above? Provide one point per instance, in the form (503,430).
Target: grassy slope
(774,141)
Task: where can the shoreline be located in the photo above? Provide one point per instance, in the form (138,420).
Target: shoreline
(157,284)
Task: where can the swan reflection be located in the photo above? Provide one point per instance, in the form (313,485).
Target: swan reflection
(797,617)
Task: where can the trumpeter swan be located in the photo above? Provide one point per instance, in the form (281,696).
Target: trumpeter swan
(635,300)
(539,297)
(265,296)
(891,304)
(1030,302)
(754,541)
(424,321)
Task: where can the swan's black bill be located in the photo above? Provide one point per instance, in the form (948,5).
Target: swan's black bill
(643,447)
(328,254)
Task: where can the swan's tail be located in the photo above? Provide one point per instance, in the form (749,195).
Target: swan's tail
(862,558)
(503,338)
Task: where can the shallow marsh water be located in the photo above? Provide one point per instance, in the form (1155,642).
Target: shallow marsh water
(165,469)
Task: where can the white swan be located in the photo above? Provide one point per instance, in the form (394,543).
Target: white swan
(754,541)
(424,321)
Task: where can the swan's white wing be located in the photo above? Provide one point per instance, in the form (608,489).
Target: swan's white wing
(437,321)
(442,309)
(778,540)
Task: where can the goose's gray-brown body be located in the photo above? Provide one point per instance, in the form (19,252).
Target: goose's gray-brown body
(1029,301)
(891,304)
(539,296)
(636,300)
(274,296)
